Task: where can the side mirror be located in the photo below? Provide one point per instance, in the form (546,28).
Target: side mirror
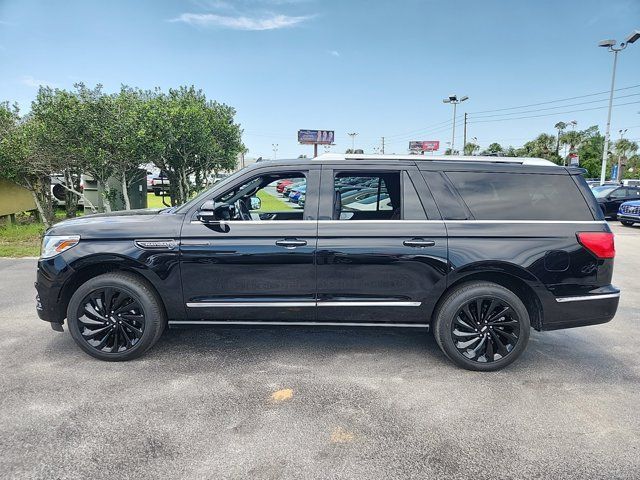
(211,211)
(256,203)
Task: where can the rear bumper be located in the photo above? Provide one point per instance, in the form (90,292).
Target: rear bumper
(599,306)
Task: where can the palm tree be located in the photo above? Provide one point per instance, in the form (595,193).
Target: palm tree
(471,148)
(560,126)
(621,148)
(573,139)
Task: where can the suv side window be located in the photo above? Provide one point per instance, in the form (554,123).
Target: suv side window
(273,196)
(367,195)
(620,193)
(520,196)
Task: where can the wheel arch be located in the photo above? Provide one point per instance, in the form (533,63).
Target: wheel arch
(512,277)
(99,265)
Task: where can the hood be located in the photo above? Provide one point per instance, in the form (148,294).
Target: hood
(131,224)
(632,203)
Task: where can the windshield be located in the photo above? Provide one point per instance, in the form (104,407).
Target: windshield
(602,191)
(205,193)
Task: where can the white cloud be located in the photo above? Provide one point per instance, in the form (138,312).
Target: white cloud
(272,22)
(29,81)
(334,53)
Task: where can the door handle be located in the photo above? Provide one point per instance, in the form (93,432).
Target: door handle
(419,243)
(291,243)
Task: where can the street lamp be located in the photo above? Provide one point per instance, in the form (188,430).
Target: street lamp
(453,99)
(353,141)
(611,46)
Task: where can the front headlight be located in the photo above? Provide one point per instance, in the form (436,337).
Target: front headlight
(53,245)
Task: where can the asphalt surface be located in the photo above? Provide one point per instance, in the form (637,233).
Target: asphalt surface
(276,403)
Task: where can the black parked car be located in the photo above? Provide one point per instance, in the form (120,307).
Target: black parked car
(610,197)
(477,249)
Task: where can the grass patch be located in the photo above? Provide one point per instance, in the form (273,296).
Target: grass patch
(21,240)
(156,202)
(272,204)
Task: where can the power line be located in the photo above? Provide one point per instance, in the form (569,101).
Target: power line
(554,101)
(553,108)
(551,114)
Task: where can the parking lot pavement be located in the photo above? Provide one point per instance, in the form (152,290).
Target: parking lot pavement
(265,403)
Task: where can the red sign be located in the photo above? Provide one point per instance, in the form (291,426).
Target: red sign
(424,146)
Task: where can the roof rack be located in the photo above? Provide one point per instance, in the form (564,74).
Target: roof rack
(439,158)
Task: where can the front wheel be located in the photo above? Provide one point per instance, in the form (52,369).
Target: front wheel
(626,223)
(482,326)
(115,316)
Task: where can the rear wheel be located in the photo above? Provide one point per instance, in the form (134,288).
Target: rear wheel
(626,223)
(482,326)
(115,316)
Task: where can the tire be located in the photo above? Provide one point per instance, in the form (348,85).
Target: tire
(626,223)
(136,325)
(498,349)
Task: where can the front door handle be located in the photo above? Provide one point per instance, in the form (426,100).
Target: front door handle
(419,243)
(291,243)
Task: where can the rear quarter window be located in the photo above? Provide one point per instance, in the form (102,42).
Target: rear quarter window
(519,196)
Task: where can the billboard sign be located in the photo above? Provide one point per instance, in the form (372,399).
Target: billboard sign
(321,137)
(424,146)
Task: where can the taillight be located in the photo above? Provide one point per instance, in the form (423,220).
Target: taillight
(599,243)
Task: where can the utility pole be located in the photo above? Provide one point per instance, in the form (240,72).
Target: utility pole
(610,45)
(383,145)
(275,150)
(464,140)
(453,99)
(353,141)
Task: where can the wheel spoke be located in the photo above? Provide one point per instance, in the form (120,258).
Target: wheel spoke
(92,334)
(459,333)
(499,314)
(502,349)
(114,347)
(470,317)
(508,335)
(127,306)
(489,351)
(461,322)
(125,336)
(136,331)
(492,306)
(464,345)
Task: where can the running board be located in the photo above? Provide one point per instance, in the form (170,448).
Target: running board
(177,323)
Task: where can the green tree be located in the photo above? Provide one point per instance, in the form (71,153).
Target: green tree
(543,146)
(471,148)
(621,148)
(590,151)
(560,126)
(493,149)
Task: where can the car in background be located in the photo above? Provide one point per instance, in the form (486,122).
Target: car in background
(295,194)
(629,213)
(610,197)
(302,200)
(282,184)
(289,188)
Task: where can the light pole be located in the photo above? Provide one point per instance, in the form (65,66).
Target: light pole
(610,45)
(455,101)
(275,150)
(353,141)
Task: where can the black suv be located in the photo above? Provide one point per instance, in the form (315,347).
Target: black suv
(610,197)
(479,249)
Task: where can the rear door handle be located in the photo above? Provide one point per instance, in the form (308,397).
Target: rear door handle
(419,243)
(291,243)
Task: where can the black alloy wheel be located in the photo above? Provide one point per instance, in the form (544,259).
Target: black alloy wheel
(482,326)
(111,320)
(485,329)
(116,316)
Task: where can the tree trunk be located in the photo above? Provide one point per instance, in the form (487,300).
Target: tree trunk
(125,192)
(70,199)
(45,199)
(36,200)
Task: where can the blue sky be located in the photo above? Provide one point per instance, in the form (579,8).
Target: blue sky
(372,67)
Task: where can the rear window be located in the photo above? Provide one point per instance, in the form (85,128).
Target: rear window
(513,196)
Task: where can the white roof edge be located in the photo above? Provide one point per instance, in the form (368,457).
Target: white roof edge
(446,158)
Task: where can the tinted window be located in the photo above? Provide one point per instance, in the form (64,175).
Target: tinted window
(509,196)
(367,196)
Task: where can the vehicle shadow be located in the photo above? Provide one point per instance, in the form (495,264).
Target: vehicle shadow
(579,352)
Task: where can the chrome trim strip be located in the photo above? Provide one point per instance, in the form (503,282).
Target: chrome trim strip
(368,304)
(587,297)
(305,324)
(302,304)
(311,303)
(395,222)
